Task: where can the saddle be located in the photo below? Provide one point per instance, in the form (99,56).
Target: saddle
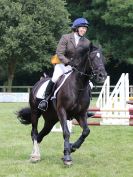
(60,82)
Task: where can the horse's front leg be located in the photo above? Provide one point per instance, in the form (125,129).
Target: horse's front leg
(66,135)
(35,155)
(85,133)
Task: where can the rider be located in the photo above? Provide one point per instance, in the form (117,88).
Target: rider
(65,51)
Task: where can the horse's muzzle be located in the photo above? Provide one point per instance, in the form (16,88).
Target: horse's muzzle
(100,77)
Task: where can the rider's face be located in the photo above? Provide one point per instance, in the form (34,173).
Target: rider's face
(82,30)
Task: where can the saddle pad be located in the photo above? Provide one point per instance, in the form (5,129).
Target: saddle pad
(41,90)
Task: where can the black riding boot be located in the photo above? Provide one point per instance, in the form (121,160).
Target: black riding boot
(43,105)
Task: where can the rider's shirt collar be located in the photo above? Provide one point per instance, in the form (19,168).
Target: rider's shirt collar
(76,37)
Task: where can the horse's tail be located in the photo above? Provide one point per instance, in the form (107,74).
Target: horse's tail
(24,116)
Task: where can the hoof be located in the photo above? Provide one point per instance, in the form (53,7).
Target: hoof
(68,163)
(67,160)
(35,159)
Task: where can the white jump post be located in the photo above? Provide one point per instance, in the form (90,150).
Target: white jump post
(116,100)
(104,94)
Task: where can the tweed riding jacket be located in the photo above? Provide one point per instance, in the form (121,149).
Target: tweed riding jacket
(66,48)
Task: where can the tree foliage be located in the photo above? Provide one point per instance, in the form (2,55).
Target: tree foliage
(111,22)
(119,13)
(29,31)
(111,25)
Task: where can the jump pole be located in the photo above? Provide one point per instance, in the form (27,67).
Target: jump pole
(109,124)
(110,110)
(130,117)
(104,124)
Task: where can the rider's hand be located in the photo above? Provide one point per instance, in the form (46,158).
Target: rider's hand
(69,63)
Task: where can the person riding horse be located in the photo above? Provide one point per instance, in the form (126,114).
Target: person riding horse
(65,51)
(73,98)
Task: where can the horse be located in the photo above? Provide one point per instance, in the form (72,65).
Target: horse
(72,101)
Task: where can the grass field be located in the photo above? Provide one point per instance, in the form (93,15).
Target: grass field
(107,152)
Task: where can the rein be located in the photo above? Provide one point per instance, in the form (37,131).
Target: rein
(80,72)
(83,73)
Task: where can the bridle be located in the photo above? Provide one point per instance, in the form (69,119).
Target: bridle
(83,73)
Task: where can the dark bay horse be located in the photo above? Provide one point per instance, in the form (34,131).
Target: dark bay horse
(72,101)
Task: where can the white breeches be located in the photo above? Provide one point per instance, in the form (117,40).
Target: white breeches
(59,70)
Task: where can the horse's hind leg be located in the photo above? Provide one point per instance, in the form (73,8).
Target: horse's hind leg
(85,133)
(35,155)
(48,125)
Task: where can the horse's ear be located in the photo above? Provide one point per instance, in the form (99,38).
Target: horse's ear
(93,47)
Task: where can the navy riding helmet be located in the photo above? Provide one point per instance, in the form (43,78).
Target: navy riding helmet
(80,22)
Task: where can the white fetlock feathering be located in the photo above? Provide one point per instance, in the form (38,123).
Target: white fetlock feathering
(35,155)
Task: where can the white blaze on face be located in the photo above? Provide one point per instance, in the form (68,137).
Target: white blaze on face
(98,55)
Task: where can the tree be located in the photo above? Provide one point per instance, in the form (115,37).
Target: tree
(29,31)
(77,8)
(112,26)
(119,13)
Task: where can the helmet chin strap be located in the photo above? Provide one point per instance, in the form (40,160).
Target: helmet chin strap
(78,33)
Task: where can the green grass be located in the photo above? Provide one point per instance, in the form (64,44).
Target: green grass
(107,152)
